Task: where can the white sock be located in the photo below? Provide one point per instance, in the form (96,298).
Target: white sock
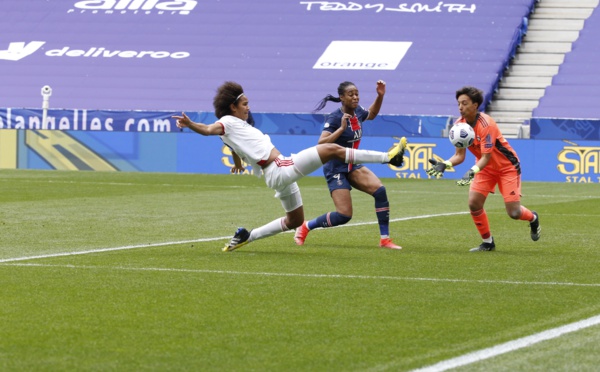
(274,227)
(356,156)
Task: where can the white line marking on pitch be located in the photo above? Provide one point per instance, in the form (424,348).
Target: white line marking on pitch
(326,276)
(108,249)
(510,346)
(98,250)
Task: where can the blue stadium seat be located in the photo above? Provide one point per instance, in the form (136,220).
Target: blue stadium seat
(171,55)
(575,90)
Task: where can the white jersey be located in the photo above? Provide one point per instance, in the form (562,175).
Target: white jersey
(252,145)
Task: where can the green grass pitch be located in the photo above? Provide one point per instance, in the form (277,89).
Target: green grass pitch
(124,272)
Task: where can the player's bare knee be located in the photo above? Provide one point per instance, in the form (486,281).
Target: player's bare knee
(514,214)
(328,151)
(474,207)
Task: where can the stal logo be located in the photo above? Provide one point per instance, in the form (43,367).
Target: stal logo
(183,7)
(579,163)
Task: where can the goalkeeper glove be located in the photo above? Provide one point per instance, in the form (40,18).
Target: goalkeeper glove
(438,167)
(468,177)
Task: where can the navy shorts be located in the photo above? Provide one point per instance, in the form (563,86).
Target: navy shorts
(337,181)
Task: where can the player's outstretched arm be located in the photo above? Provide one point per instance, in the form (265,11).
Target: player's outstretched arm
(376,106)
(438,167)
(184,121)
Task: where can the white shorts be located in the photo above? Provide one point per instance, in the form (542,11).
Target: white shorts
(281,175)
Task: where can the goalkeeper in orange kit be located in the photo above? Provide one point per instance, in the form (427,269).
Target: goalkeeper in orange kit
(496,164)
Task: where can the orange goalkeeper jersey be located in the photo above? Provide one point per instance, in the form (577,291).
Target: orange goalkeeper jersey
(489,139)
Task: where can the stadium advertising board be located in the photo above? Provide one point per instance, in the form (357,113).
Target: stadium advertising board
(162,121)
(541,160)
(557,128)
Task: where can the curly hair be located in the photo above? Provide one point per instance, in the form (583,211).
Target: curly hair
(473,93)
(341,89)
(228,93)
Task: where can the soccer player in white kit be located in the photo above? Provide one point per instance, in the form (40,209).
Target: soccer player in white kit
(281,172)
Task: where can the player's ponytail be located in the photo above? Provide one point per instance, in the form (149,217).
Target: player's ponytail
(322,103)
(341,89)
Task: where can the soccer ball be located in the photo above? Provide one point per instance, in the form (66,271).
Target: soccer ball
(461,135)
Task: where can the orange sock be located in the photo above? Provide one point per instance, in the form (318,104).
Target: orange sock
(481,222)
(526,214)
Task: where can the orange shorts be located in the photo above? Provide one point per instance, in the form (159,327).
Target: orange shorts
(508,181)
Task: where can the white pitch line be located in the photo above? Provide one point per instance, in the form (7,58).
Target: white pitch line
(108,249)
(300,275)
(510,346)
(98,250)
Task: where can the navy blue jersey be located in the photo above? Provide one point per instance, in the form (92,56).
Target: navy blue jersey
(350,138)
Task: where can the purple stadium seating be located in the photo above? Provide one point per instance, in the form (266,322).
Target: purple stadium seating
(575,90)
(172,54)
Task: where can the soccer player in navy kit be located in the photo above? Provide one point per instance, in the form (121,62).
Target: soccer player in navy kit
(344,127)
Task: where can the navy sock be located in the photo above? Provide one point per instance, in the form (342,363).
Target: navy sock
(382,210)
(328,220)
